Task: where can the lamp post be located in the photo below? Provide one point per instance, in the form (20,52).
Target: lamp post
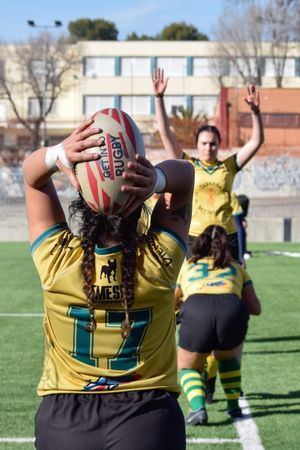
(57,24)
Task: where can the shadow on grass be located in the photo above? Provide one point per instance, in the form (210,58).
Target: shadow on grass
(274,339)
(271,352)
(270,396)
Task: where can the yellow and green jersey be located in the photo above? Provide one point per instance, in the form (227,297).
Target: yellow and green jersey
(201,278)
(212,194)
(237,210)
(79,361)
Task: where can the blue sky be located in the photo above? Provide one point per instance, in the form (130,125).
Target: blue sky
(142,16)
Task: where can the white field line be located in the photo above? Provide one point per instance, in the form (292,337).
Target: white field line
(17,440)
(211,441)
(189,440)
(21,315)
(247,430)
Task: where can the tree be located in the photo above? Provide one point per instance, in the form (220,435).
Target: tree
(39,71)
(180,31)
(143,37)
(93,30)
(186,125)
(280,17)
(241,35)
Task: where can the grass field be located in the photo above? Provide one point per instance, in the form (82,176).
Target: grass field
(270,364)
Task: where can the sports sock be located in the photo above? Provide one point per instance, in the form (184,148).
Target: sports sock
(192,383)
(230,376)
(211,367)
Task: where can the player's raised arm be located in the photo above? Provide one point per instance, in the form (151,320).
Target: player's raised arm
(168,138)
(42,204)
(173,209)
(252,146)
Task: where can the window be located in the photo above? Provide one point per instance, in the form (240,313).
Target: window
(92,103)
(175,67)
(289,67)
(203,67)
(3,112)
(136,67)
(2,66)
(34,109)
(174,102)
(204,104)
(136,104)
(247,66)
(95,66)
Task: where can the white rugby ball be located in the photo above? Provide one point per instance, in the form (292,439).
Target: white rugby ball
(101,180)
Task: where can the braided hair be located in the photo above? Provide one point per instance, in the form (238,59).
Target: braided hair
(213,242)
(97,229)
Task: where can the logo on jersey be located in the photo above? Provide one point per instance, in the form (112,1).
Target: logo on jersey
(108,293)
(109,270)
(63,243)
(159,250)
(107,384)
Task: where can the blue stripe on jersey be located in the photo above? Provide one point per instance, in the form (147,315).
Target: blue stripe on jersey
(173,235)
(52,230)
(247,283)
(107,250)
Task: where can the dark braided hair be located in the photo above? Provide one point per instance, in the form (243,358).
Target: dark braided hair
(97,229)
(213,242)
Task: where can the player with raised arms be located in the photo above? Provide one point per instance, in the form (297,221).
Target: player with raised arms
(213,177)
(110,374)
(218,296)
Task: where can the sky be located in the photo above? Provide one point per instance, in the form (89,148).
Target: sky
(141,16)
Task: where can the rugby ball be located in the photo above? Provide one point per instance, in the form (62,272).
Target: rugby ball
(101,180)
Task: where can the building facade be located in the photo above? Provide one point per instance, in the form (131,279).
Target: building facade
(118,74)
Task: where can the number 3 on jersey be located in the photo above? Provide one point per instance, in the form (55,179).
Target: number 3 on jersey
(128,355)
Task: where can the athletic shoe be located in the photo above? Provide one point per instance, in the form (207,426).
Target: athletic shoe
(197,417)
(235,413)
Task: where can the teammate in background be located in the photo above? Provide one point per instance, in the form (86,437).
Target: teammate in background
(238,216)
(110,373)
(213,178)
(218,297)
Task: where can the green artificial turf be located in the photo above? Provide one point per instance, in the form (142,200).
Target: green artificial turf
(270,370)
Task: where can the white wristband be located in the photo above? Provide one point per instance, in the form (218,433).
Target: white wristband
(52,153)
(160,182)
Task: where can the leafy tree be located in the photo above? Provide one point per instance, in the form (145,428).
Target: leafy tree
(186,125)
(143,37)
(93,30)
(181,31)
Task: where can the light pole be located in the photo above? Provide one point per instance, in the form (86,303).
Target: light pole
(57,24)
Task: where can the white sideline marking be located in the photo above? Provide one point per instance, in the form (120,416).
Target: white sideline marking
(247,430)
(211,441)
(21,315)
(17,440)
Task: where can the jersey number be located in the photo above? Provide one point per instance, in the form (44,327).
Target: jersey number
(202,271)
(128,355)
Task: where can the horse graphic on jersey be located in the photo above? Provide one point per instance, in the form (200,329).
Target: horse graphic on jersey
(109,270)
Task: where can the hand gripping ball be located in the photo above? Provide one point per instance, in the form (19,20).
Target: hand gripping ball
(101,180)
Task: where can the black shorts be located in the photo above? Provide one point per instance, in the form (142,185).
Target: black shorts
(232,240)
(212,322)
(137,420)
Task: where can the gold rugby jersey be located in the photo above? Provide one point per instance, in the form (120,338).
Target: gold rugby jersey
(79,361)
(201,278)
(237,210)
(212,194)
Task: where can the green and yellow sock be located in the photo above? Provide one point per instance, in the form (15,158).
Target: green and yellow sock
(192,383)
(230,376)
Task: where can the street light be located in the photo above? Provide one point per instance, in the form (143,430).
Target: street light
(57,24)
